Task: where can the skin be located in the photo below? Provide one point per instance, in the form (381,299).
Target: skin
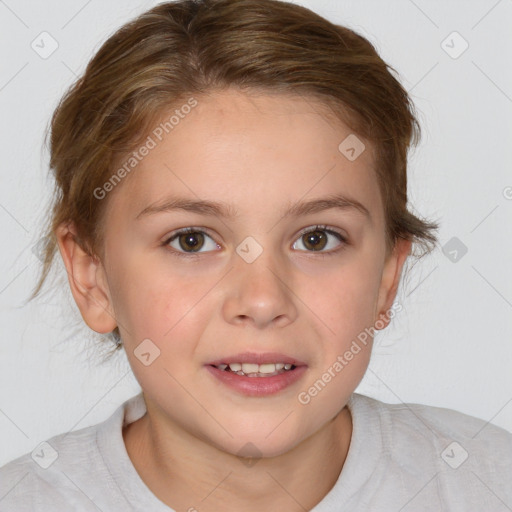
(260,153)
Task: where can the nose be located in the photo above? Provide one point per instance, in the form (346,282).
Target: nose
(260,293)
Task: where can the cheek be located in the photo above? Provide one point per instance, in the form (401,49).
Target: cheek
(161,331)
(162,307)
(345,307)
(345,299)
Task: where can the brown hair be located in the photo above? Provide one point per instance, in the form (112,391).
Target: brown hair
(192,47)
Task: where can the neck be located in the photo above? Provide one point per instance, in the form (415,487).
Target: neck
(187,473)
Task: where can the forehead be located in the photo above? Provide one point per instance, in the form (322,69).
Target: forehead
(253,151)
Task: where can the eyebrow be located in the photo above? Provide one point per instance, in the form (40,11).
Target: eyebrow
(228,211)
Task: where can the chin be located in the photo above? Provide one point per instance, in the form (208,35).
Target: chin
(259,446)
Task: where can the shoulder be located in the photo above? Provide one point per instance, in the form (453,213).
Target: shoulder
(464,455)
(422,426)
(43,478)
(79,470)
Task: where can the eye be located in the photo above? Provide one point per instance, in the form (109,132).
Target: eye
(317,238)
(189,241)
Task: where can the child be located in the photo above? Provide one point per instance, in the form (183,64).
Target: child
(232,206)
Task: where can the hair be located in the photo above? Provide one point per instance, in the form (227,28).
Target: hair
(193,47)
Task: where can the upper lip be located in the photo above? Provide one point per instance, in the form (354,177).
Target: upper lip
(258,358)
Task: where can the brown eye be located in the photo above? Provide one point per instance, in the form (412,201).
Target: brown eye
(189,241)
(315,240)
(318,238)
(192,241)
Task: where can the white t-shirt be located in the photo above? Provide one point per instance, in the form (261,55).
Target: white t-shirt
(401,458)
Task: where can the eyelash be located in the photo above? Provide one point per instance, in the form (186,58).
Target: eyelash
(318,227)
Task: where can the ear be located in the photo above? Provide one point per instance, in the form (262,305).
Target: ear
(391,278)
(87,281)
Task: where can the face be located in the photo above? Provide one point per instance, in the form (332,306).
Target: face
(261,281)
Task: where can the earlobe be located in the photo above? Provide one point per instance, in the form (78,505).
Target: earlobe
(391,279)
(85,274)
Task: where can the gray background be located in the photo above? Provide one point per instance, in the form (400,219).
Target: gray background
(451,346)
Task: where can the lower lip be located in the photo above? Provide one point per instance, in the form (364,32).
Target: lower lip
(258,386)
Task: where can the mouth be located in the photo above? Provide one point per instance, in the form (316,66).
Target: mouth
(257,374)
(256,370)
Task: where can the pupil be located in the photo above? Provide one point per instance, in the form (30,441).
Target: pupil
(190,241)
(313,238)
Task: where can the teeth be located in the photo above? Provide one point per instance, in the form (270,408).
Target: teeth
(265,368)
(253,369)
(250,368)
